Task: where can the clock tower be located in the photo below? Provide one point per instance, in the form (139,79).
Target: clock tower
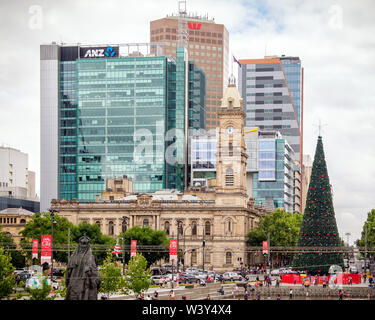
(231,152)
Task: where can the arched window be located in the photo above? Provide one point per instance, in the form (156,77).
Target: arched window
(229,226)
(22,221)
(180,228)
(166,227)
(228,257)
(194,228)
(97,223)
(193,256)
(145,222)
(230,148)
(207,228)
(229,178)
(111,228)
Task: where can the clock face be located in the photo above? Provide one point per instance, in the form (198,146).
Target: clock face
(230,130)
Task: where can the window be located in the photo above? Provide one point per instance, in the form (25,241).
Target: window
(229,178)
(228,258)
(207,228)
(230,149)
(194,228)
(97,223)
(229,226)
(111,229)
(166,227)
(193,256)
(180,228)
(145,223)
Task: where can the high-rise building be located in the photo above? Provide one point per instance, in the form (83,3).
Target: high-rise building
(108,112)
(270,176)
(207,46)
(17,182)
(272,89)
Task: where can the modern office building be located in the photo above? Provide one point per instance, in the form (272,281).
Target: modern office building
(107,111)
(207,45)
(297,187)
(305,180)
(270,168)
(272,89)
(17,182)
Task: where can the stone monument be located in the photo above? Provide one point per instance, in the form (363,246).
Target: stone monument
(82,275)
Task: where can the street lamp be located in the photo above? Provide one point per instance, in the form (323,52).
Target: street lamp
(124,227)
(52,212)
(179,228)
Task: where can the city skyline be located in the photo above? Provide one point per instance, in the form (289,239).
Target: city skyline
(333,40)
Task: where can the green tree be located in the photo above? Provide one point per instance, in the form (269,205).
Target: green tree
(43,292)
(137,276)
(147,236)
(39,225)
(18,256)
(283,228)
(370,226)
(99,243)
(6,274)
(110,276)
(319,228)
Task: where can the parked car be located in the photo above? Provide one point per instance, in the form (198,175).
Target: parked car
(157,280)
(35,283)
(189,278)
(353,269)
(231,276)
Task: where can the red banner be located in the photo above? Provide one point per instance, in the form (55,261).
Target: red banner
(46,244)
(35,249)
(172,249)
(133,248)
(265,247)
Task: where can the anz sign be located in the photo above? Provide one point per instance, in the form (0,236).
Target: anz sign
(99,52)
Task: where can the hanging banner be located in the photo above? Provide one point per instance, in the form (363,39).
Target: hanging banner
(117,249)
(35,249)
(133,248)
(265,247)
(45,252)
(172,249)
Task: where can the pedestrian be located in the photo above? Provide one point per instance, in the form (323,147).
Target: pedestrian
(245,295)
(291,294)
(341,294)
(278,297)
(350,280)
(208,297)
(221,291)
(237,291)
(233,296)
(369,296)
(171,295)
(307,295)
(277,282)
(156,295)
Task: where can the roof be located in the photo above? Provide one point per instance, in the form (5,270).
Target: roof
(19,211)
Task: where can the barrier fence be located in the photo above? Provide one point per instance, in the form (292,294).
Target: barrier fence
(340,278)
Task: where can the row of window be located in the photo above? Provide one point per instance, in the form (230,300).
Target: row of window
(11,220)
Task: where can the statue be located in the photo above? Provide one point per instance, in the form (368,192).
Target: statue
(82,275)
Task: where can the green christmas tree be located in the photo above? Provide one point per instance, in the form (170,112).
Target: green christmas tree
(319,228)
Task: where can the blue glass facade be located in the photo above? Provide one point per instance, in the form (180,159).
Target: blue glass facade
(292,69)
(114,115)
(274,180)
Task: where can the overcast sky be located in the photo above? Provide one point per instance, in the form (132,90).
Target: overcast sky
(334,39)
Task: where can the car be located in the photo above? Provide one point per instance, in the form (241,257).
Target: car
(353,269)
(157,280)
(231,276)
(35,283)
(189,278)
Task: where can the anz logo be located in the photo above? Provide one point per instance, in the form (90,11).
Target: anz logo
(98,53)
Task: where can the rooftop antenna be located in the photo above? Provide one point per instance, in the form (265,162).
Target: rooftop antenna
(182,25)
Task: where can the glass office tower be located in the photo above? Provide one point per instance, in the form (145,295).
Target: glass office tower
(113,112)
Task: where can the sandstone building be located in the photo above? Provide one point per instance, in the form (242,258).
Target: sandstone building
(221,214)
